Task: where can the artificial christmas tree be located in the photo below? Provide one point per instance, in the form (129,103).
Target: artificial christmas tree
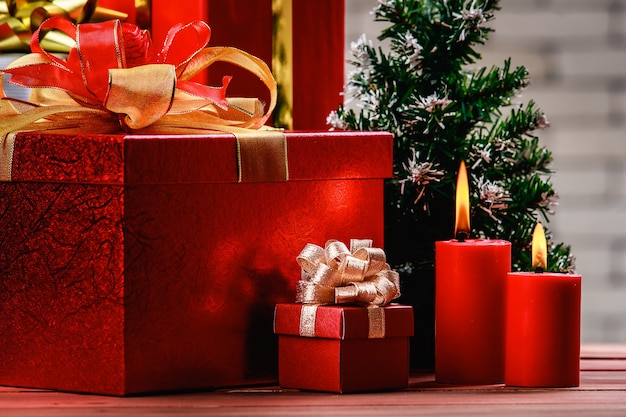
(427,90)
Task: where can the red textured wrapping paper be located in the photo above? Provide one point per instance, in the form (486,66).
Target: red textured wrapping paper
(133,264)
(317,41)
(341,358)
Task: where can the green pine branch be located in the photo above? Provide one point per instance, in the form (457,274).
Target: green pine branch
(424,90)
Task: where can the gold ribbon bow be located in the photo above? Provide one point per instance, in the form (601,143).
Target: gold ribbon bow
(339,275)
(115,78)
(20,19)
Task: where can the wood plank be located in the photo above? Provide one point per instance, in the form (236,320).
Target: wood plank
(603,351)
(602,392)
(603,365)
(436,402)
(596,387)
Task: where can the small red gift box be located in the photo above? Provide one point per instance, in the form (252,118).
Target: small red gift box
(133,263)
(341,357)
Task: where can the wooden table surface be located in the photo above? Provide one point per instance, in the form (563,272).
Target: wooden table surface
(602,392)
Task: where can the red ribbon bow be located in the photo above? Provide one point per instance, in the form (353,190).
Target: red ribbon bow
(115,67)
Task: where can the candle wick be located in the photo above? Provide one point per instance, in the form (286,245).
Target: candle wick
(461,236)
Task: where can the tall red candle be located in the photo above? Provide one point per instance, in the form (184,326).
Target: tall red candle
(542,342)
(469,310)
(469,302)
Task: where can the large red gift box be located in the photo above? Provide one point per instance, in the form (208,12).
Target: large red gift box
(341,357)
(132,264)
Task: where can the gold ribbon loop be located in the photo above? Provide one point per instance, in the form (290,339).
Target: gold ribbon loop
(154,83)
(375,257)
(309,293)
(386,284)
(391,276)
(310,257)
(325,276)
(352,269)
(356,244)
(336,251)
(356,292)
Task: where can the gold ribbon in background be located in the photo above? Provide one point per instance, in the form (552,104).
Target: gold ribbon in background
(336,274)
(19,19)
(142,8)
(282,61)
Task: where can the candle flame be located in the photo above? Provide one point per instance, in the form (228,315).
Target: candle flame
(462,225)
(539,249)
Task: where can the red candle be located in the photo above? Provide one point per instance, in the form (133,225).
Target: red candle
(469,302)
(542,325)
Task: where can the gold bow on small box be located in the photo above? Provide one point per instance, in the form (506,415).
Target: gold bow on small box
(337,275)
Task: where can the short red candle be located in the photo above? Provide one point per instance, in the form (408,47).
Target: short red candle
(542,341)
(543,330)
(469,310)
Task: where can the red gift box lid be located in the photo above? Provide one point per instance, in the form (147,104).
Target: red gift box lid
(173,159)
(343,322)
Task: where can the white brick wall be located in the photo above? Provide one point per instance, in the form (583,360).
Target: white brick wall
(575,51)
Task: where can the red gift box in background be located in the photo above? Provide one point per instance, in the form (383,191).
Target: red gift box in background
(301,41)
(133,264)
(341,357)
(317,40)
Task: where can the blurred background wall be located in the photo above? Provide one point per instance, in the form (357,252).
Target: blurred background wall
(575,51)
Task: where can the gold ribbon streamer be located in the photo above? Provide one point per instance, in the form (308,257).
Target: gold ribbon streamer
(153,83)
(262,156)
(308,314)
(6,156)
(376,317)
(337,274)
